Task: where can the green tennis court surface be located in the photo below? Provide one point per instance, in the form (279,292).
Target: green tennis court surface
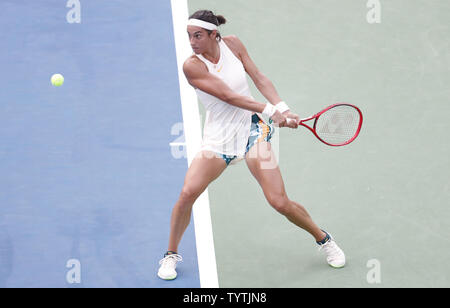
(385,197)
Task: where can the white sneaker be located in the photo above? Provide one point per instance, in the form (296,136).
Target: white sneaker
(335,255)
(168,265)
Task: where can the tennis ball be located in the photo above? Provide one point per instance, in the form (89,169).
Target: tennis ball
(57,80)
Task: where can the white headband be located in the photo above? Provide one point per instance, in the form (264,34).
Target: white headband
(201,24)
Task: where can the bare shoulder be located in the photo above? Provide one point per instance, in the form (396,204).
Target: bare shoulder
(235,45)
(193,65)
(233,42)
(191,62)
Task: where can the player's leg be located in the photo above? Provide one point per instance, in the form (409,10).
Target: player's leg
(262,164)
(204,169)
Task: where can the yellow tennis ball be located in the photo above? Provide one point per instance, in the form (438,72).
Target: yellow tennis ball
(57,80)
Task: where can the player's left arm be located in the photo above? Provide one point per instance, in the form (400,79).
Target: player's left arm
(264,84)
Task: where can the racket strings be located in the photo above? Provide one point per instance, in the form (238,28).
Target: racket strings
(338,125)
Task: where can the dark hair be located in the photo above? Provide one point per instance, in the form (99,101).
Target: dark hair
(209,16)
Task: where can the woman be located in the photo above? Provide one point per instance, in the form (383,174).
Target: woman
(233,130)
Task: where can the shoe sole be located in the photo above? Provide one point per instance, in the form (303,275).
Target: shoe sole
(333,266)
(167,278)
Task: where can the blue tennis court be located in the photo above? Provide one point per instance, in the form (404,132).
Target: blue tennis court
(88,179)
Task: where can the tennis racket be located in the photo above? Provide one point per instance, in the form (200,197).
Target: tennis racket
(336,125)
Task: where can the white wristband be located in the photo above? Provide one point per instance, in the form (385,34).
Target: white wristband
(282,106)
(269,110)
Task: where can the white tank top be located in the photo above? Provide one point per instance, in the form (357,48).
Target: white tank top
(227,128)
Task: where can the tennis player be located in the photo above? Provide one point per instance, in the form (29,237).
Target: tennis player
(234,130)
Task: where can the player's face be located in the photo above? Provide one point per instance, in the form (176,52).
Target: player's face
(199,39)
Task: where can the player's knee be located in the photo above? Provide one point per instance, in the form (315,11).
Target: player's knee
(279,202)
(189,193)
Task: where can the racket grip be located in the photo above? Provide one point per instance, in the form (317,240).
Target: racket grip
(289,120)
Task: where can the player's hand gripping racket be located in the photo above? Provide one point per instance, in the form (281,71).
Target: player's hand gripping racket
(336,125)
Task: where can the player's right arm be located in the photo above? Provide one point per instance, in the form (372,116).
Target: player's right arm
(199,77)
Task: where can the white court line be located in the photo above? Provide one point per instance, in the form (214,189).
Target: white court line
(193,136)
